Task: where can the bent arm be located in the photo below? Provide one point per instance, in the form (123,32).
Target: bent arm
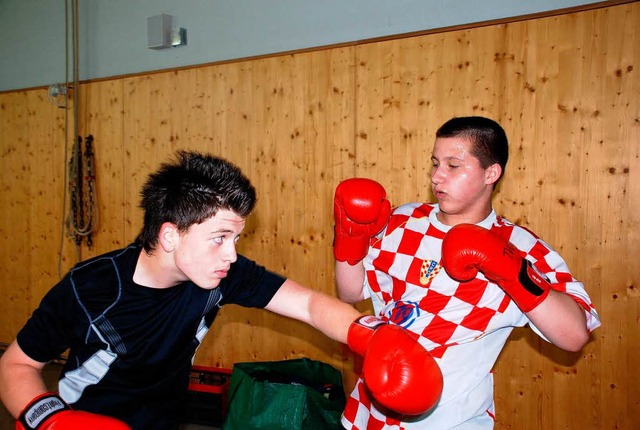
(20,379)
(323,312)
(561,320)
(349,281)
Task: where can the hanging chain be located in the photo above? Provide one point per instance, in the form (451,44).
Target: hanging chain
(90,181)
(83,217)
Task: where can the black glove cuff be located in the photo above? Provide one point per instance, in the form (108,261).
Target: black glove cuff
(532,280)
(40,409)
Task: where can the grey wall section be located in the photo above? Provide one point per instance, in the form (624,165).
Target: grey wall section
(113,33)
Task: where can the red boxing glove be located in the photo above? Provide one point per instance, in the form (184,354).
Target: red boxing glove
(467,248)
(49,412)
(400,374)
(361,210)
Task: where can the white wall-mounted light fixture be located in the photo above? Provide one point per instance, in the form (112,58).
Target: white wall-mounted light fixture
(178,36)
(160,33)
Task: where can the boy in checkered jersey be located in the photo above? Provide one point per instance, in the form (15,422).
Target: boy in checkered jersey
(455,275)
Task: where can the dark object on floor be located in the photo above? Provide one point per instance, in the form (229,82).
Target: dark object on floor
(299,394)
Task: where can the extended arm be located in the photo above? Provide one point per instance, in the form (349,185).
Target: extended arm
(321,311)
(396,367)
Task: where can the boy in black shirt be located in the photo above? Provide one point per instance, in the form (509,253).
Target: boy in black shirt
(133,319)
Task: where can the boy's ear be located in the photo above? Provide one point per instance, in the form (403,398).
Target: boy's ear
(493,173)
(168,236)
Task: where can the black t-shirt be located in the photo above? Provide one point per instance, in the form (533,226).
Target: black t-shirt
(131,347)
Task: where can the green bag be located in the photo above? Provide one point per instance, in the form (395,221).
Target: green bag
(299,394)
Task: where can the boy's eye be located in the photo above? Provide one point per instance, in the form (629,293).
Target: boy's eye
(218,240)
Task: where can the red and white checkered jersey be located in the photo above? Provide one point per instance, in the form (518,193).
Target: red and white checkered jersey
(464,325)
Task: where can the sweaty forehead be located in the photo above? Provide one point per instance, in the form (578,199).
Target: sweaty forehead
(451,147)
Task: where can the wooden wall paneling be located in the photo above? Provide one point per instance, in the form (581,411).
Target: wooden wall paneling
(14,225)
(405,90)
(306,179)
(614,120)
(574,112)
(102,117)
(283,128)
(235,113)
(192,104)
(519,100)
(279,173)
(581,206)
(149,136)
(583,192)
(279,107)
(32,200)
(44,168)
(386,148)
(206,99)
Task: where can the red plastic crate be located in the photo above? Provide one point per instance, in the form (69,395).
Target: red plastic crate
(207,398)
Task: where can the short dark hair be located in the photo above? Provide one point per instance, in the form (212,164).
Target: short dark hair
(191,190)
(488,138)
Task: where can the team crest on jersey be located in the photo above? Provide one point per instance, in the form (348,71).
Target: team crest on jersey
(404,313)
(428,271)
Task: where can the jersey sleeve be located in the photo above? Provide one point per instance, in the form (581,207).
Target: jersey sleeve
(249,284)
(549,262)
(48,332)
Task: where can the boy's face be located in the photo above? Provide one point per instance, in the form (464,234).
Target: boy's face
(463,188)
(205,252)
